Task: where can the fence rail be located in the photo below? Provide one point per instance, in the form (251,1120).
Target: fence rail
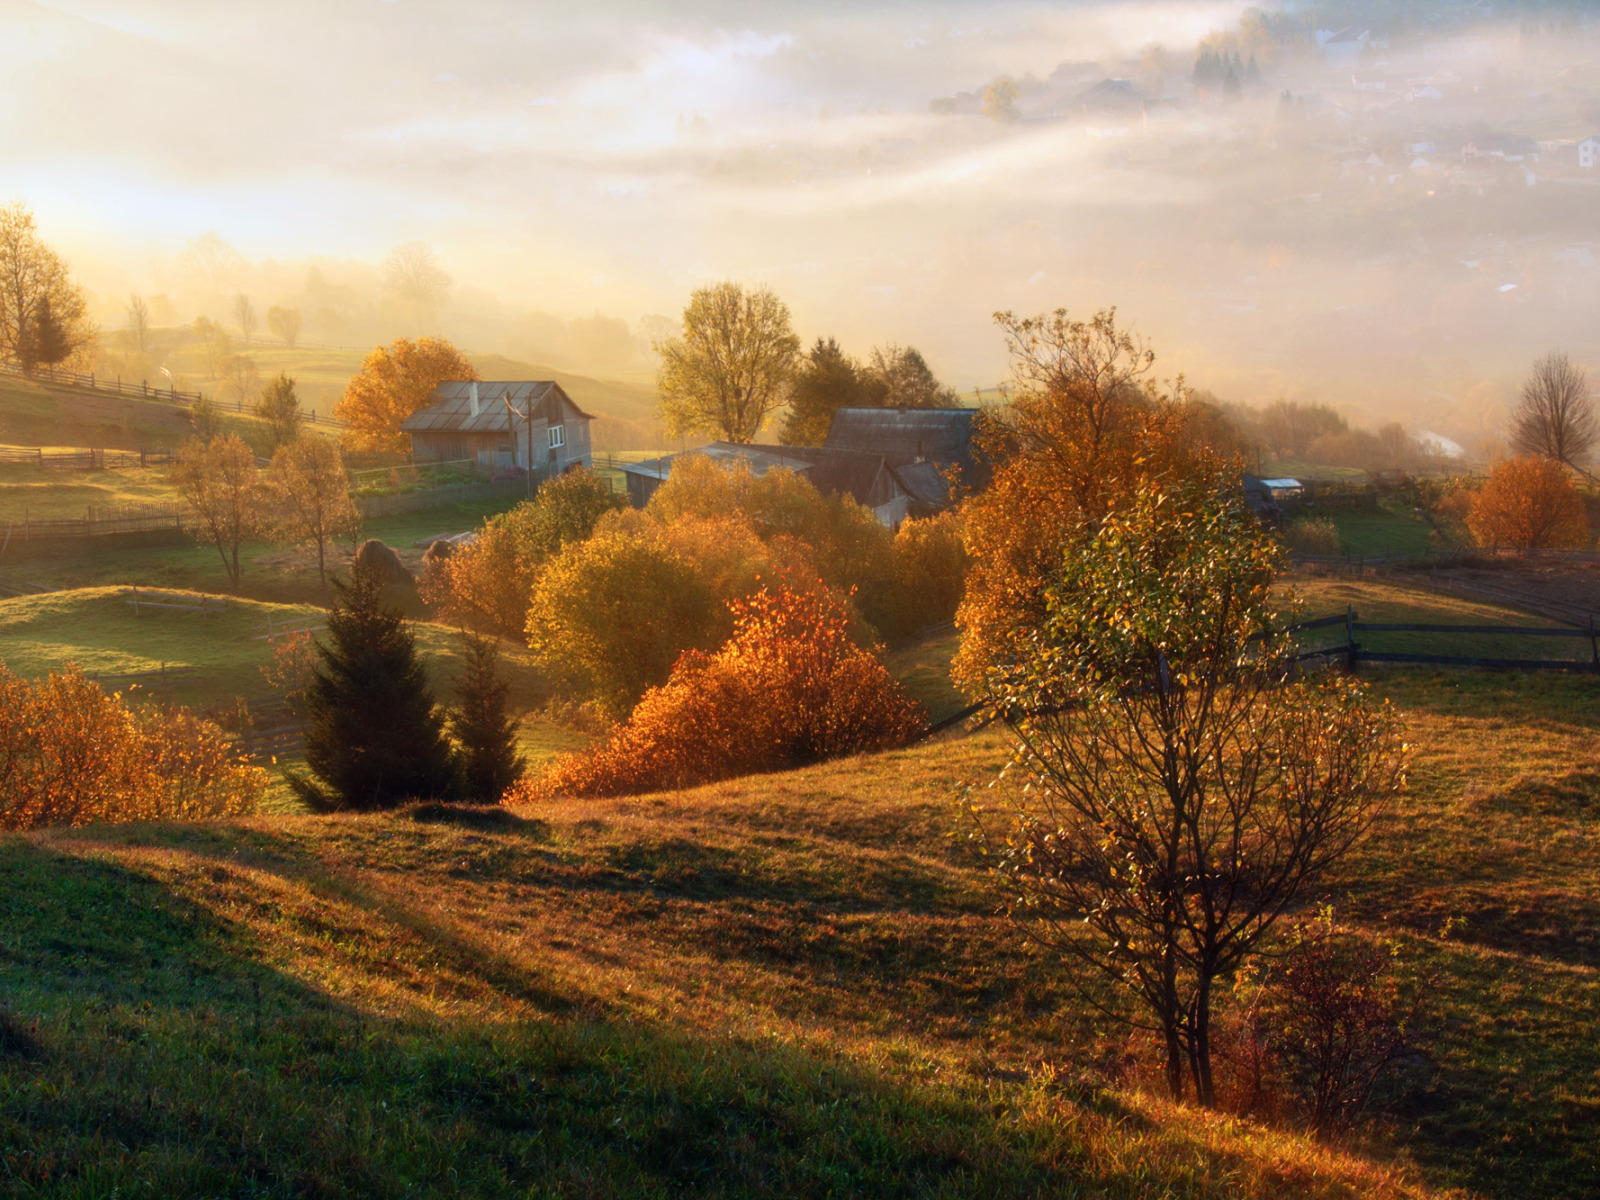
(128,518)
(82,460)
(1354,653)
(59,375)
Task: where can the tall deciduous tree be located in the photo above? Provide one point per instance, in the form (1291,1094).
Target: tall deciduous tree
(1174,788)
(34,278)
(244,316)
(1555,417)
(279,407)
(485,733)
(1087,424)
(138,322)
(220,482)
(284,324)
(413,275)
(375,737)
(828,380)
(395,381)
(731,368)
(313,496)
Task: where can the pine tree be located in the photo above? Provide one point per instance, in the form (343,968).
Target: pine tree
(488,741)
(375,737)
(45,341)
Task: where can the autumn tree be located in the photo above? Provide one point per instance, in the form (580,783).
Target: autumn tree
(138,322)
(395,381)
(241,380)
(1529,503)
(244,316)
(34,281)
(1000,100)
(220,482)
(279,408)
(1087,424)
(1174,786)
(827,380)
(375,737)
(899,377)
(1554,416)
(487,585)
(412,274)
(308,482)
(731,367)
(284,324)
(216,347)
(789,687)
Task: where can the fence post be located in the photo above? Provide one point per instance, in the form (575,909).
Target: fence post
(1350,639)
(1594,646)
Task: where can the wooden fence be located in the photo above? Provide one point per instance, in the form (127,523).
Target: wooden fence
(83,460)
(1352,653)
(121,518)
(65,378)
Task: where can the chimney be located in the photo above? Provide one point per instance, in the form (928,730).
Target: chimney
(472,396)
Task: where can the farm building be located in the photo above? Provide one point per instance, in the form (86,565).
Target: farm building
(861,475)
(924,446)
(501,424)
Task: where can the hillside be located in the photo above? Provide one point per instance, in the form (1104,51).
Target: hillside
(787,985)
(320,377)
(32,414)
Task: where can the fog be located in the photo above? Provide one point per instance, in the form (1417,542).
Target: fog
(579,169)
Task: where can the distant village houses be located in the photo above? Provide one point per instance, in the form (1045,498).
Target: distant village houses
(519,425)
(897,462)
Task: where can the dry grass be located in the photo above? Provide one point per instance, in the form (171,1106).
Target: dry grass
(788,985)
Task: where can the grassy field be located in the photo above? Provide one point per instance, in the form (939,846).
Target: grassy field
(779,986)
(1395,530)
(32,415)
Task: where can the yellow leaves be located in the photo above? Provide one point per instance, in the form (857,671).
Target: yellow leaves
(395,381)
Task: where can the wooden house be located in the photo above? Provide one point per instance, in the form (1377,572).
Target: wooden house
(517,425)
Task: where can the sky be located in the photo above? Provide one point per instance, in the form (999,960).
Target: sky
(606,158)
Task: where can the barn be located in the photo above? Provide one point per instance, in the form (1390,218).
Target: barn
(925,447)
(504,424)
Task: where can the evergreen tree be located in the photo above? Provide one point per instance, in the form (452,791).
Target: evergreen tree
(488,742)
(45,340)
(1252,72)
(375,737)
(828,380)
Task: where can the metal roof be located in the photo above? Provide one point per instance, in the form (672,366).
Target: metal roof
(905,435)
(760,459)
(451,410)
(856,473)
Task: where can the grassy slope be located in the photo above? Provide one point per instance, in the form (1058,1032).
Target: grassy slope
(320,377)
(787,986)
(32,415)
(775,986)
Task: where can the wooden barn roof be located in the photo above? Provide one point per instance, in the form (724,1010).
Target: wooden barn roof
(451,410)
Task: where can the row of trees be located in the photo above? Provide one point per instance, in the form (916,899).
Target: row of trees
(609,598)
(738,361)
(43,314)
(303,496)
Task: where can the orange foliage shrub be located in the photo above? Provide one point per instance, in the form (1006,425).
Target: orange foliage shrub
(1529,503)
(70,754)
(788,688)
(931,564)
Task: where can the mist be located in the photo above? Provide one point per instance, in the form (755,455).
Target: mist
(1319,229)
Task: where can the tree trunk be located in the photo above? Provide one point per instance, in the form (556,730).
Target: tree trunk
(1204,1087)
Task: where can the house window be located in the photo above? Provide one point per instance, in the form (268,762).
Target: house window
(557,435)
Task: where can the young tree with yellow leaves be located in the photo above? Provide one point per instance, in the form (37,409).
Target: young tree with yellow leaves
(395,381)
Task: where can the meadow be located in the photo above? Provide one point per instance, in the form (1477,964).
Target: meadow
(783,985)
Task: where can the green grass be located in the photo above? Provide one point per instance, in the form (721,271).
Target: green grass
(33,415)
(37,493)
(1385,531)
(924,668)
(1391,603)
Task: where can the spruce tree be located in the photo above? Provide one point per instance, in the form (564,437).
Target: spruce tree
(487,737)
(375,737)
(46,341)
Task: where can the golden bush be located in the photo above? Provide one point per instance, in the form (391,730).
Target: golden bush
(1529,503)
(789,687)
(72,754)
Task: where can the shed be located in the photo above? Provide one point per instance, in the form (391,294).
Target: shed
(504,424)
(648,475)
